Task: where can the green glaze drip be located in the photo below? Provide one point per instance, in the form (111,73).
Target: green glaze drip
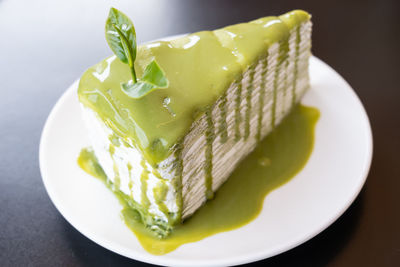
(156,173)
(277,158)
(117,179)
(114,140)
(296,62)
(286,63)
(238,116)
(199,67)
(283,52)
(210,136)
(143,182)
(261,98)
(223,127)
(160,194)
(130,184)
(177,183)
(111,149)
(274,92)
(88,162)
(249,92)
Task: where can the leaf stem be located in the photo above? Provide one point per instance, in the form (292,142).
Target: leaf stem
(133,74)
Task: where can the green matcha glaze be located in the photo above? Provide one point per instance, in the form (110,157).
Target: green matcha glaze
(210,136)
(160,193)
(199,68)
(143,182)
(261,100)
(294,18)
(177,183)
(238,117)
(249,92)
(223,126)
(274,162)
(297,52)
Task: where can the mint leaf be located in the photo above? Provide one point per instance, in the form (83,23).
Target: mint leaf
(121,37)
(155,75)
(153,78)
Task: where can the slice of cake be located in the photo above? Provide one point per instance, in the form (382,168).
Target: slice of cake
(170,150)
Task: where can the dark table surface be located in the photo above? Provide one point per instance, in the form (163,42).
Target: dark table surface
(45,45)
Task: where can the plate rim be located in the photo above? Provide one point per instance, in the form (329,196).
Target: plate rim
(234,260)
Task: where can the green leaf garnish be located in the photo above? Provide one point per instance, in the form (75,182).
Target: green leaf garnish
(153,78)
(121,37)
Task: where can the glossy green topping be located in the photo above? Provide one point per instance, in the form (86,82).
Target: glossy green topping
(199,68)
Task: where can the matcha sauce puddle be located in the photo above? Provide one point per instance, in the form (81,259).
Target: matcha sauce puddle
(277,159)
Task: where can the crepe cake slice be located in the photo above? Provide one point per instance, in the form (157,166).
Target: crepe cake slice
(169,151)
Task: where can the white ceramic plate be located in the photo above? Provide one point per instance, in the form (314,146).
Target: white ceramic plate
(292,214)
